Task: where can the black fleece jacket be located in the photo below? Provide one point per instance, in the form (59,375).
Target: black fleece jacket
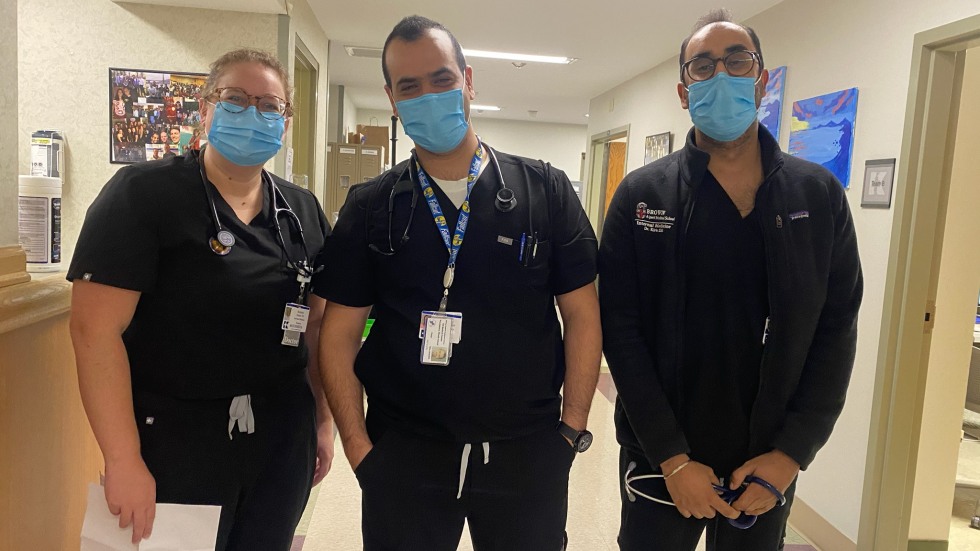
(815,288)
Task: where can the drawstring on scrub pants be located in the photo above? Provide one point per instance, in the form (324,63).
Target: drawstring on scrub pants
(464,462)
(241,412)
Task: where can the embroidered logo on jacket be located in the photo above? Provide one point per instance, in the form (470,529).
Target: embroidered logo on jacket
(653,220)
(799,215)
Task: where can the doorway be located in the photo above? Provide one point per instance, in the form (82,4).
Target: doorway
(933,273)
(608,157)
(305,73)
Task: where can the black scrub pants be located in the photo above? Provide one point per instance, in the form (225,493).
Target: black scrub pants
(649,526)
(516,501)
(261,480)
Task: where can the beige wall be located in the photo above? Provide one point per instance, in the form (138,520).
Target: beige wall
(559,144)
(66,49)
(349,119)
(8,131)
(952,337)
(827,46)
(333,112)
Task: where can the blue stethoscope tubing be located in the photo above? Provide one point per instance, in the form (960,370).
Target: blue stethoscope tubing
(744,521)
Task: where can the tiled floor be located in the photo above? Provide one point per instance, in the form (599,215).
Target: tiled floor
(961,536)
(593,518)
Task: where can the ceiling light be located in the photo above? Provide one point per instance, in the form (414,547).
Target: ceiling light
(367,51)
(363,51)
(519,57)
(484,107)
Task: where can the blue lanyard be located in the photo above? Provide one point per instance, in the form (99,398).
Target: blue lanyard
(452,245)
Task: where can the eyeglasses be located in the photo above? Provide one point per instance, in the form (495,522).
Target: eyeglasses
(236,100)
(737,64)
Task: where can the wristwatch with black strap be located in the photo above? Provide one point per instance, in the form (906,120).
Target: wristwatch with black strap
(581,440)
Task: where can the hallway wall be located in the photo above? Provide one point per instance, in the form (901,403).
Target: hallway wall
(66,49)
(8,132)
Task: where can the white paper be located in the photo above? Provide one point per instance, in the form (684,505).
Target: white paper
(176,527)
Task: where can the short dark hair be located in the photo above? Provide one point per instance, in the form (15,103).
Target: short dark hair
(411,29)
(720,15)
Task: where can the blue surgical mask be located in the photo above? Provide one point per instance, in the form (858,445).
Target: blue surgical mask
(246,138)
(722,107)
(435,122)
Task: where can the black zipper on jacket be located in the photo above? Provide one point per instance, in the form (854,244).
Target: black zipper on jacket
(771,325)
(681,310)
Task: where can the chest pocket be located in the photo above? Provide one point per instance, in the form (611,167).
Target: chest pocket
(528,273)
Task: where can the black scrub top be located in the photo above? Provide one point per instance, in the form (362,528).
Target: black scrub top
(727,305)
(206,326)
(504,376)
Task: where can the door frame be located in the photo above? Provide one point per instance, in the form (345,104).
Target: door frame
(911,284)
(303,56)
(596,191)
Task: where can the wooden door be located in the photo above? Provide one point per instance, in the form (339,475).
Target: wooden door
(615,171)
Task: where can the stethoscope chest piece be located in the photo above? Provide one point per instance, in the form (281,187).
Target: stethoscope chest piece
(222,243)
(226,238)
(506,200)
(218,247)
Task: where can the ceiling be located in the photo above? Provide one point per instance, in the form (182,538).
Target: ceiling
(250,6)
(613,41)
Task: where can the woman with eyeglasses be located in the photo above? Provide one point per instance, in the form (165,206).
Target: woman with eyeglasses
(195,319)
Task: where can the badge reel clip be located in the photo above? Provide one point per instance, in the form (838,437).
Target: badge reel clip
(439,329)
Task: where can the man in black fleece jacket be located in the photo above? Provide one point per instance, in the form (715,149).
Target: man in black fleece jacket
(729,285)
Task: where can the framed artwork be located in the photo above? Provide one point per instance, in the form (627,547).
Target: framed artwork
(771,107)
(822,131)
(655,147)
(879,175)
(153,114)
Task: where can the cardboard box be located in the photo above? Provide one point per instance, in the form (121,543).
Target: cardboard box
(355,137)
(374,135)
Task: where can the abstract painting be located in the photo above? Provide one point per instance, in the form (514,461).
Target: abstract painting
(822,131)
(771,110)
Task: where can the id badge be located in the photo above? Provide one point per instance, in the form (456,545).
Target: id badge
(456,317)
(294,321)
(439,331)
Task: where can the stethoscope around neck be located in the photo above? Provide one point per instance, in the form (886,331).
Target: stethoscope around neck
(504,201)
(223,241)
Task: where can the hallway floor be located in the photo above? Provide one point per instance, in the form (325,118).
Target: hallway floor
(332,520)
(961,536)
